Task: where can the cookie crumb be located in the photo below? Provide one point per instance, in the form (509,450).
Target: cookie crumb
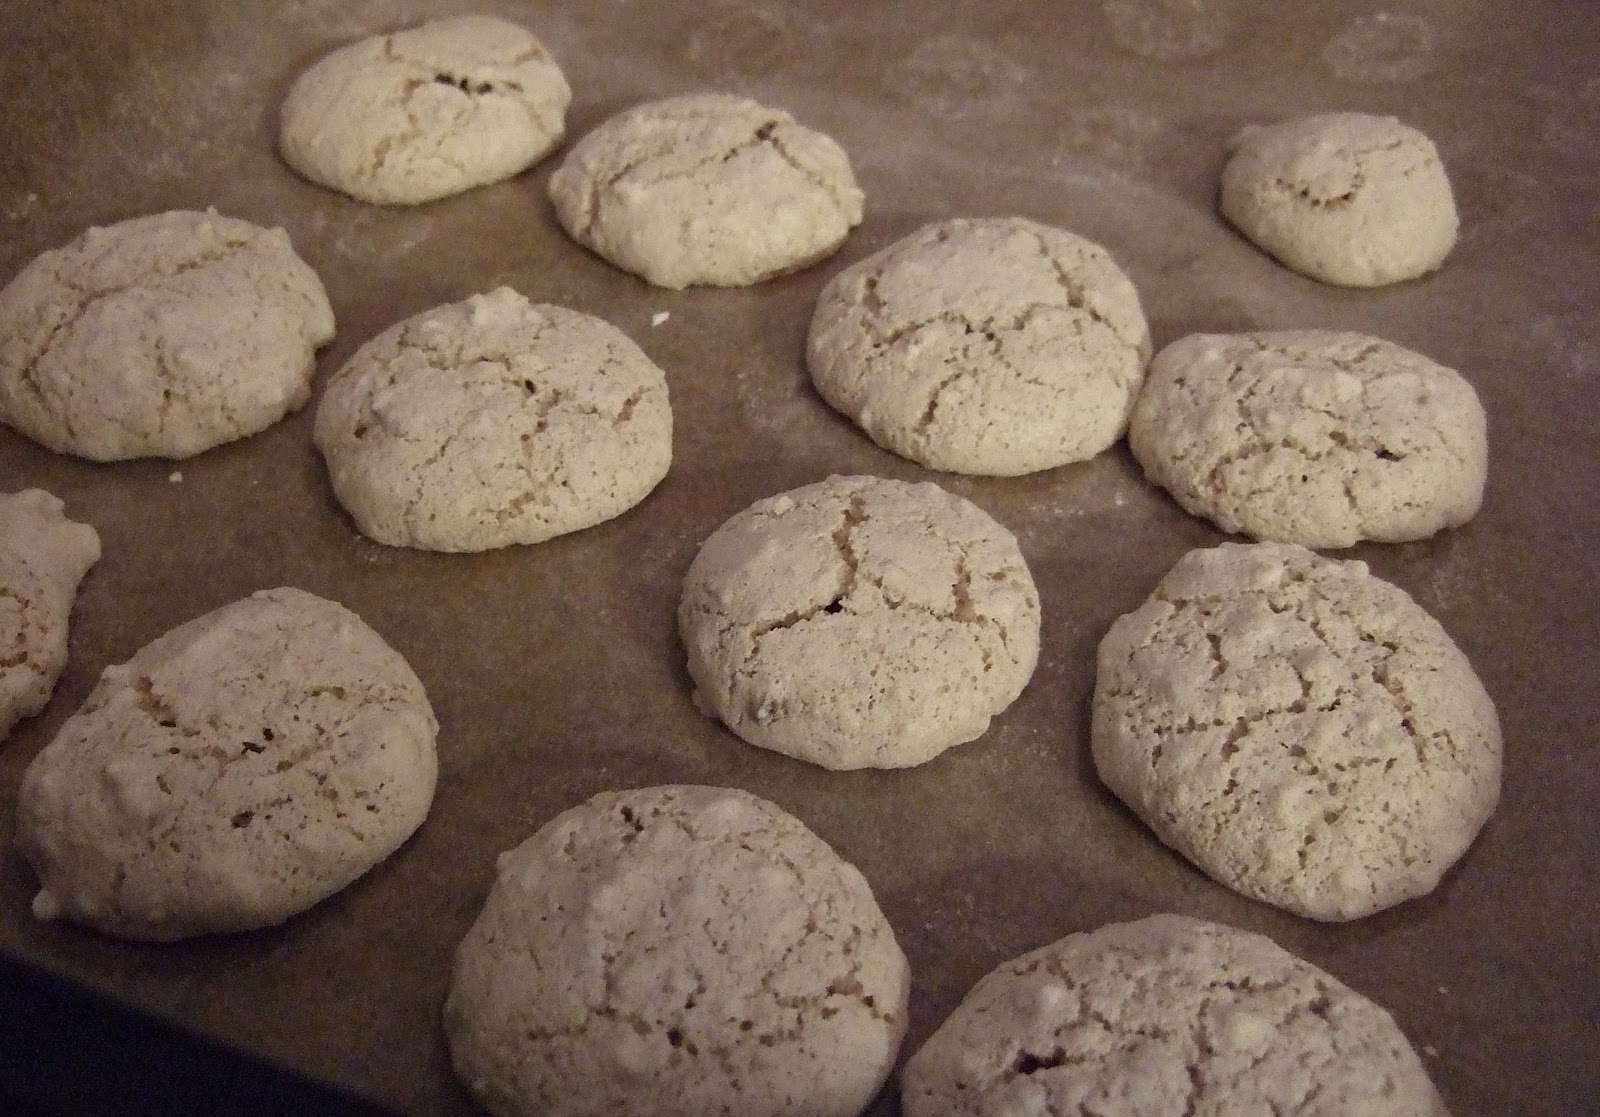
(659,317)
(176,477)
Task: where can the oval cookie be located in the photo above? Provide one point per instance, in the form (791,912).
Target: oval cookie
(1166,1015)
(231,774)
(1312,437)
(994,346)
(1301,730)
(493,421)
(43,557)
(859,622)
(706,189)
(676,952)
(1347,198)
(426,112)
(159,336)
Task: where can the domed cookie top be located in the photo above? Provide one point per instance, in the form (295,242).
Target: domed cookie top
(1347,198)
(992,345)
(231,774)
(1312,436)
(1168,1015)
(860,622)
(43,557)
(159,336)
(706,189)
(677,952)
(426,112)
(493,421)
(1299,729)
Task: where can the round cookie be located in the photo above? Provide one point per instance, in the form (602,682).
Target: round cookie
(1168,1015)
(1346,198)
(1301,730)
(674,952)
(1312,437)
(231,774)
(43,557)
(859,622)
(995,346)
(493,421)
(427,112)
(159,336)
(706,189)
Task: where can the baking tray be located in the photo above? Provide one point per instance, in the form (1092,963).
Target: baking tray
(555,669)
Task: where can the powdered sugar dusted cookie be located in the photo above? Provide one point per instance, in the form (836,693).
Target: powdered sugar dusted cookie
(231,774)
(1167,1015)
(159,336)
(426,112)
(1312,437)
(1347,198)
(675,952)
(43,557)
(1299,729)
(493,421)
(706,189)
(994,346)
(860,622)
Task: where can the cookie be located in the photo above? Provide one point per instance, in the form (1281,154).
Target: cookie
(675,952)
(427,112)
(43,557)
(995,346)
(231,774)
(1346,198)
(159,336)
(493,421)
(706,190)
(1312,437)
(859,622)
(1166,1015)
(1301,730)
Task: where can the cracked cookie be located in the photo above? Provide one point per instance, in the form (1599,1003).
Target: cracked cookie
(1345,198)
(1167,1014)
(493,421)
(426,112)
(1302,731)
(159,336)
(993,346)
(674,952)
(706,189)
(859,622)
(1312,437)
(231,774)
(43,557)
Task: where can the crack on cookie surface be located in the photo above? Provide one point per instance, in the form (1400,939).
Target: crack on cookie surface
(682,974)
(1389,443)
(756,663)
(1190,1014)
(1313,731)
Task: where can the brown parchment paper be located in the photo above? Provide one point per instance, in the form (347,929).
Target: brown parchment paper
(555,669)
